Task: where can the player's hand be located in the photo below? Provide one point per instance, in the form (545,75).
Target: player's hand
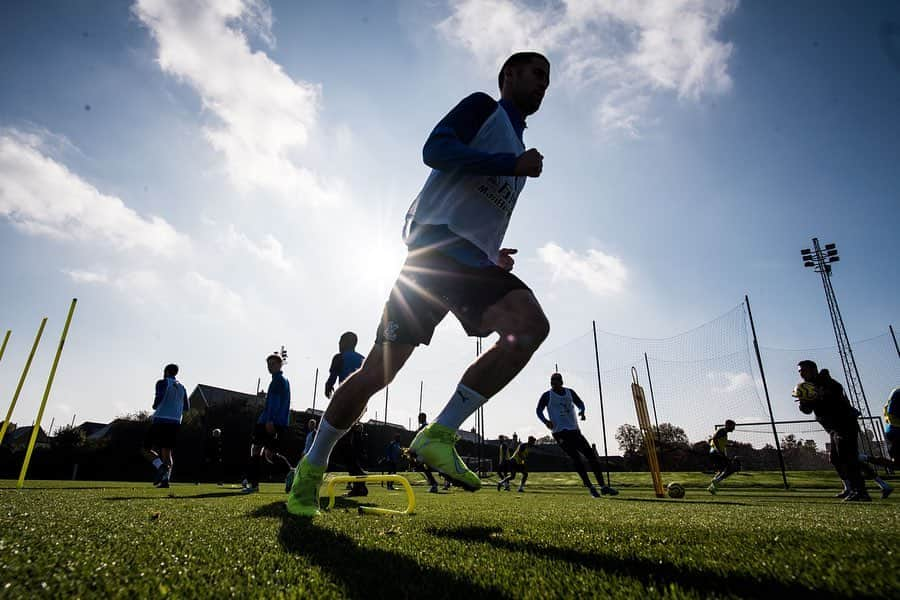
(529,164)
(581,415)
(549,424)
(505,260)
(270,427)
(328,392)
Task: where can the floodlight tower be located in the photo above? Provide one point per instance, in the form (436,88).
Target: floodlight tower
(820,261)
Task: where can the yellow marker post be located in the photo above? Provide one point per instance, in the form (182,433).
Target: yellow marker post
(373,510)
(37,422)
(15,399)
(5,339)
(647,433)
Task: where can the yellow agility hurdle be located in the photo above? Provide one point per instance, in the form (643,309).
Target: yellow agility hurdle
(373,510)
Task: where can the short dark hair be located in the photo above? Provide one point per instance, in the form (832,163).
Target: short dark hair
(808,364)
(730,423)
(517,60)
(171,370)
(556,376)
(348,340)
(275,356)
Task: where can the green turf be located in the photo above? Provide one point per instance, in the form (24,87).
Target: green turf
(753,539)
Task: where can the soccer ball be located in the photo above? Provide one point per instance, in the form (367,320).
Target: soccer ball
(675,490)
(804,392)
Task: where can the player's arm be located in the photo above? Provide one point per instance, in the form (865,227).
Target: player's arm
(333,371)
(542,405)
(578,404)
(160,393)
(187,402)
(447,148)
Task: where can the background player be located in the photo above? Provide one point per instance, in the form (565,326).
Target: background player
(718,455)
(560,403)
(271,423)
(518,463)
(169,403)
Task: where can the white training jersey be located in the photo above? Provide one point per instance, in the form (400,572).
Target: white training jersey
(477,208)
(561,409)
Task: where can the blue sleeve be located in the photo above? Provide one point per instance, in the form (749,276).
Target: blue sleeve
(334,371)
(285,412)
(160,393)
(269,409)
(542,404)
(577,401)
(447,148)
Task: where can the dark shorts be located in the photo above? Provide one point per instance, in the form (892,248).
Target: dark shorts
(892,438)
(432,284)
(720,461)
(261,437)
(162,434)
(573,441)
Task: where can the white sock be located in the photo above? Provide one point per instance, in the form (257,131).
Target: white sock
(846,483)
(463,404)
(157,463)
(326,438)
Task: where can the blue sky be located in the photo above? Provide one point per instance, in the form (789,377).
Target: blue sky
(240,177)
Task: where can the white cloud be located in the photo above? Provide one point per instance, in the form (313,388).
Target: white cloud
(80,276)
(215,294)
(622,50)
(730,382)
(270,251)
(262,114)
(601,273)
(42,197)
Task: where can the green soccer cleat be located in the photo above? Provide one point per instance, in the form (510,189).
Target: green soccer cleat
(435,446)
(303,500)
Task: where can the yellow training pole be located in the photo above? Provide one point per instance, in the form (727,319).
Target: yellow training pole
(5,339)
(37,422)
(12,405)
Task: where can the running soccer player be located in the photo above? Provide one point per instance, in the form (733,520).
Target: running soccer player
(344,363)
(560,403)
(518,463)
(865,463)
(454,229)
(169,403)
(270,425)
(718,455)
(892,427)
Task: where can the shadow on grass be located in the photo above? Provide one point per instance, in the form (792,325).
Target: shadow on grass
(173,496)
(648,572)
(681,501)
(368,572)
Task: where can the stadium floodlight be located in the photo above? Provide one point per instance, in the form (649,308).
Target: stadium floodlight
(831,252)
(806,251)
(834,259)
(809,263)
(830,246)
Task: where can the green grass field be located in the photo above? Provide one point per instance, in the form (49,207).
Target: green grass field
(77,539)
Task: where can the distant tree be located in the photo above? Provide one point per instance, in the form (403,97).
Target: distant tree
(669,434)
(810,446)
(790,442)
(68,437)
(629,438)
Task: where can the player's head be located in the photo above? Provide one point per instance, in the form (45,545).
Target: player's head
(807,369)
(729,425)
(273,362)
(347,342)
(531,440)
(170,370)
(311,425)
(423,418)
(556,381)
(523,80)
(217,432)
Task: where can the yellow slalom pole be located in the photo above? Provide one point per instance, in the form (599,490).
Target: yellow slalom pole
(5,339)
(12,405)
(37,422)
